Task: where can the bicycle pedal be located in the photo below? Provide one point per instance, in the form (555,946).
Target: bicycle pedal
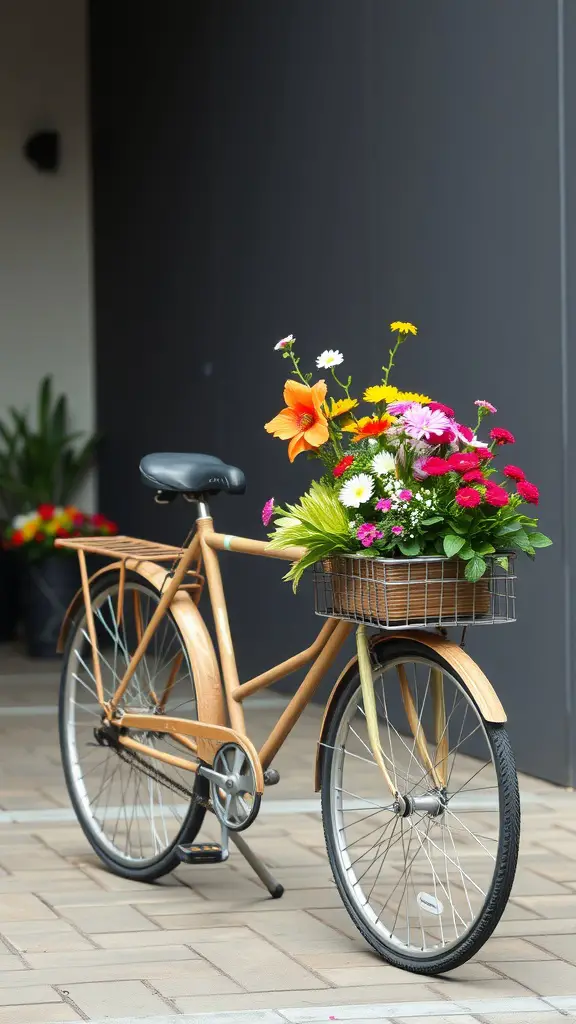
(201,853)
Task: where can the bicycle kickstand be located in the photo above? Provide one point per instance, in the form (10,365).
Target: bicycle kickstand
(214,853)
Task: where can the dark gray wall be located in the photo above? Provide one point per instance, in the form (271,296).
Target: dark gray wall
(323,168)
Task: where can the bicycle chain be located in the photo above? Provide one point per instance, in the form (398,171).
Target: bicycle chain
(159,776)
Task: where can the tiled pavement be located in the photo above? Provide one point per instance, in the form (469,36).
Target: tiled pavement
(80,944)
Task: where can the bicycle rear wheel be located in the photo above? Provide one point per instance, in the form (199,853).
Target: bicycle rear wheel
(426,878)
(134,810)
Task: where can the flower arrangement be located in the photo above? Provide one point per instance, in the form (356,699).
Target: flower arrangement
(34,532)
(405,480)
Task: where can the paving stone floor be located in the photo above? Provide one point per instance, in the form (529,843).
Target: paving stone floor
(208,944)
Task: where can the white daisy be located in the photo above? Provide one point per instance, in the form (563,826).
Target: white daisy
(19,522)
(284,342)
(330,357)
(383,463)
(357,490)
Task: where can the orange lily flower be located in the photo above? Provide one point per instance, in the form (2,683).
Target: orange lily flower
(368,427)
(303,421)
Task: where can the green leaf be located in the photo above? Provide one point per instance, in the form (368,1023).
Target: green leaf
(508,528)
(503,562)
(484,548)
(475,569)
(409,548)
(521,540)
(466,552)
(432,520)
(453,544)
(539,540)
(460,528)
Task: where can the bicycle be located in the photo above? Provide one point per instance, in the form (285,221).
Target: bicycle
(412,743)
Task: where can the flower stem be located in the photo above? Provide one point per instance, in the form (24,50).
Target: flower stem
(393,352)
(297,370)
(345,387)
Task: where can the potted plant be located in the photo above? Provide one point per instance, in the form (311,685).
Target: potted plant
(42,467)
(50,578)
(9,506)
(409,521)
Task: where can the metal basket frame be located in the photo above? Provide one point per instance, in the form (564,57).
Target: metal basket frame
(394,593)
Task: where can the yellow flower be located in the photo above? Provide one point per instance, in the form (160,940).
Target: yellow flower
(403,327)
(381,393)
(340,406)
(412,396)
(29,529)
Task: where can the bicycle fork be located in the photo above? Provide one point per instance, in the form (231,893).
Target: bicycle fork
(432,803)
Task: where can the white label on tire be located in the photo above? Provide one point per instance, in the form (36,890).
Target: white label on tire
(430,904)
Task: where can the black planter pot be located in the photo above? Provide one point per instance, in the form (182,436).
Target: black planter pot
(48,586)
(10,571)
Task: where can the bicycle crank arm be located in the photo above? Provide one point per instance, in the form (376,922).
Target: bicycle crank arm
(212,776)
(369,698)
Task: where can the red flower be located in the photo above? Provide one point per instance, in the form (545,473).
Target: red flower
(463,461)
(435,467)
(61,532)
(446,438)
(46,512)
(466,432)
(502,436)
(474,476)
(496,495)
(17,538)
(514,472)
(98,519)
(442,408)
(467,497)
(484,453)
(78,519)
(39,536)
(343,465)
(528,491)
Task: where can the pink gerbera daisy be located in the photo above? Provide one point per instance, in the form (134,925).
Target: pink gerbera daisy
(420,422)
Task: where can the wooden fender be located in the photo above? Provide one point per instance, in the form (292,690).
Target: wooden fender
(199,648)
(478,685)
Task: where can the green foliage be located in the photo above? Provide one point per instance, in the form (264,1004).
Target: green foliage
(452,544)
(319,523)
(475,568)
(42,464)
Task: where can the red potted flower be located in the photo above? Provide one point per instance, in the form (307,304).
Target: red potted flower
(50,576)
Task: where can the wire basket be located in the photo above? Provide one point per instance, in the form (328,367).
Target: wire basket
(399,592)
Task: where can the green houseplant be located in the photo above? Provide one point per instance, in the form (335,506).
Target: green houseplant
(43,464)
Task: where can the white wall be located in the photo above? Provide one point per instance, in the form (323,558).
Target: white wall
(45,275)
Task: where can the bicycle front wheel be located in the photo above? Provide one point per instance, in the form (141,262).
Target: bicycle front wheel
(425,877)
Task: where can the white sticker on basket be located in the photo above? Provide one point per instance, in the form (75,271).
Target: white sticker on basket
(430,904)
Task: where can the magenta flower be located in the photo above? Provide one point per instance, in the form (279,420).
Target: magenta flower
(405,495)
(398,530)
(420,422)
(268,511)
(384,505)
(367,534)
(486,405)
(398,408)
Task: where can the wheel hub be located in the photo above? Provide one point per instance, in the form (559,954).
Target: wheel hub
(433,804)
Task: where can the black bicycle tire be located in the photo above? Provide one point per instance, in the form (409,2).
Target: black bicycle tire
(194,818)
(509,838)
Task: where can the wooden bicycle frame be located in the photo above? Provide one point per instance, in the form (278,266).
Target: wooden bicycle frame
(321,654)
(202,738)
